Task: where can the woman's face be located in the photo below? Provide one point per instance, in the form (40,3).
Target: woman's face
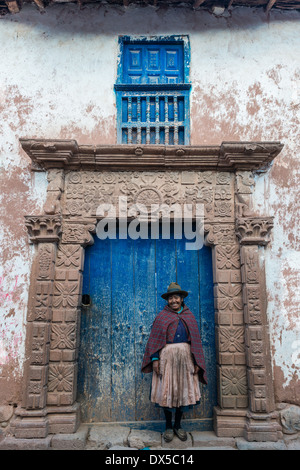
(175,302)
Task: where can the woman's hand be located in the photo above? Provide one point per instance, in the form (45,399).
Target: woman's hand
(156,367)
(196,369)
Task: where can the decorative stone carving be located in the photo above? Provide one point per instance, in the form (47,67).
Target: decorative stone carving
(55,187)
(229,156)
(262,420)
(74,232)
(223,178)
(229,298)
(231,340)
(233,387)
(223,209)
(44,231)
(244,187)
(234,381)
(70,257)
(228,257)
(244,182)
(63,336)
(56,152)
(148,196)
(43,228)
(223,234)
(46,261)
(254,230)
(62,384)
(142,188)
(250,266)
(239,154)
(65,295)
(82,178)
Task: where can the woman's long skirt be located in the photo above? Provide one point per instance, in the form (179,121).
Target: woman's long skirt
(176,386)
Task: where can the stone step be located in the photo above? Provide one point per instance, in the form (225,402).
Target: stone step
(117,437)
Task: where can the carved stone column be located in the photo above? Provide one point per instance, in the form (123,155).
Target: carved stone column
(63,410)
(31,418)
(44,231)
(230,414)
(261,422)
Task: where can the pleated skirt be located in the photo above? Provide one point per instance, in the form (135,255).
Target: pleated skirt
(176,386)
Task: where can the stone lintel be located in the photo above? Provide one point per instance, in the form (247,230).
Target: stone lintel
(229,156)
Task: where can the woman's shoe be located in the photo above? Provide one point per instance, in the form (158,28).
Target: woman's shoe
(181,433)
(168,435)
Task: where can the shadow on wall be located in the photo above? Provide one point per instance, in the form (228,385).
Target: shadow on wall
(97,19)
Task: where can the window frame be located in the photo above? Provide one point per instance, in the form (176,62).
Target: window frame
(121,88)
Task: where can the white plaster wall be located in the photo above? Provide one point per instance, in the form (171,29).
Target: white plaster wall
(57,74)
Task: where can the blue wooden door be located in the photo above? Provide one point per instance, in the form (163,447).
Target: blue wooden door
(125,280)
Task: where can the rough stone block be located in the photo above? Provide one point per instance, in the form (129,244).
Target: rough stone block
(209,439)
(242,444)
(11,443)
(144,438)
(290,419)
(6,412)
(106,436)
(292,443)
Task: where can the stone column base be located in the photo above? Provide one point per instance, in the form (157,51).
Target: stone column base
(31,424)
(263,427)
(229,423)
(64,419)
(259,427)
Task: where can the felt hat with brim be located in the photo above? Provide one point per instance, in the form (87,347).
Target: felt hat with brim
(174,288)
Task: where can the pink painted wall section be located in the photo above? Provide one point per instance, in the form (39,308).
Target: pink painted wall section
(57,75)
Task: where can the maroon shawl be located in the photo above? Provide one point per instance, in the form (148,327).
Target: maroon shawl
(163,331)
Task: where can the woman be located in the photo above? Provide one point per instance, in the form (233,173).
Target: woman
(174,353)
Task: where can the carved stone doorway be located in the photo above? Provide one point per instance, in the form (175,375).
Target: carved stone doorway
(80,177)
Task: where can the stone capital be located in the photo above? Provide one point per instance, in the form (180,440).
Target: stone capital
(43,228)
(254,230)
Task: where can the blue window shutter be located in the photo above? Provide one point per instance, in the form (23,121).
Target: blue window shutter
(152,94)
(153,64)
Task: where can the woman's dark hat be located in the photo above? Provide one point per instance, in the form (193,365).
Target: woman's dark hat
(174,288)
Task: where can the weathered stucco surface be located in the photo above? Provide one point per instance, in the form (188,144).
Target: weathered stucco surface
(56,81)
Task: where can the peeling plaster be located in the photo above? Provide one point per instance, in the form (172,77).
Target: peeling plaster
(56,81)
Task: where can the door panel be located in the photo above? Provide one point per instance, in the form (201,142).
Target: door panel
(122,331)
(153,64)
(125,280)
(145,311)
